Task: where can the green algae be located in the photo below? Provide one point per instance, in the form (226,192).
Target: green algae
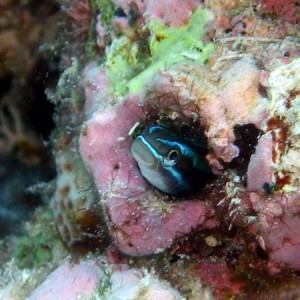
(40,243)
(129,70)
(106,8)
(104,287)
(124,62)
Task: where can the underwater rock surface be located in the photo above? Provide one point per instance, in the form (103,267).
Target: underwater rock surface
(157,71)
(86,278)
(139,219)
(214,73)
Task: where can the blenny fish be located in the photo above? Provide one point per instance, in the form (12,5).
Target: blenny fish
(169,161)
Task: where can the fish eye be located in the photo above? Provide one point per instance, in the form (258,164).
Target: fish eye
(173,155)
(172,158)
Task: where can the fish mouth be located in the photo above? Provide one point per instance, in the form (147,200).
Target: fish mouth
(142,154)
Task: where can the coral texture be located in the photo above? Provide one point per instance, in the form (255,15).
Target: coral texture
(173,13)
(278,218)
(134,284)
(87,280)
(140,221)
(69,281)
(148,68)
(260,169)
(288,10)
(193,88)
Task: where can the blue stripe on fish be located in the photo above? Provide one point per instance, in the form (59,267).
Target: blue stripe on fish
(169,161)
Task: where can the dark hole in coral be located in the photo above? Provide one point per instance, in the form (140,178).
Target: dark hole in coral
(96,244)
(191,134)
(133,15)
(174,258)
(261,253)
(29,162)
(246,137)
(232,258)
(35,105)
(262,91)
(116,167)
(192,244)
(269,187)
(120,12)
(5,84)
(94,231)
(43,9)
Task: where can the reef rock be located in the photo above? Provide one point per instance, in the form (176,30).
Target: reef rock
(140,221)
(87,280)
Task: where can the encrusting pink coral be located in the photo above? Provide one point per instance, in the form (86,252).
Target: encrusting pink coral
(277,229)
(140,221)
(87,280)
(170,12)
(69,281)
(173,13)
(143,221)
(260,169)
(288,10)
(193,88)
(133,284)
(96,89)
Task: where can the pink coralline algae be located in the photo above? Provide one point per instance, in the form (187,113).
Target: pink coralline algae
(69,281)
(288,10)
(133,284)
(143,221)
(260,170)
(87,280)
(96,88)
(140,221)
(193,89)
(277,229)
(173,13)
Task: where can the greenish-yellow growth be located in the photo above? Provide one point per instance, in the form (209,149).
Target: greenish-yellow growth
(104,287)
(124,62)
(38,245)
(106,8)
(129,70)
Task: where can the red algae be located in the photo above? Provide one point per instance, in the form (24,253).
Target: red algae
(288,10)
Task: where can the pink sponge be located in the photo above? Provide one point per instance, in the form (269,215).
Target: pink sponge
(69,281)
(174,13)
(170,12)
(140,221)
(277,229)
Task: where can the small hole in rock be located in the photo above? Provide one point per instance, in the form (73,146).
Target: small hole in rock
(246,138)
